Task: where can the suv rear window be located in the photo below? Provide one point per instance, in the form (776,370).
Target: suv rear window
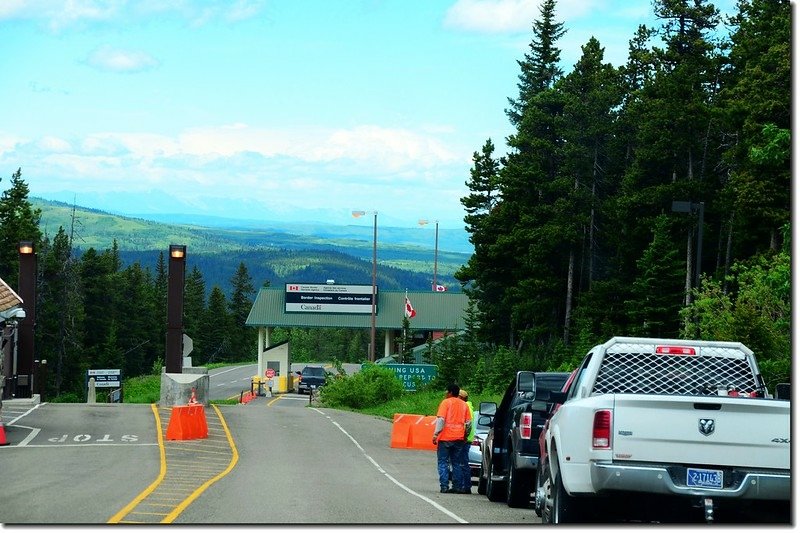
(313,371)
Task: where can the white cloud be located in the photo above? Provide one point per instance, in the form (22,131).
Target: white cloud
(54,144)
(61,14)
(118,60)
(501,16)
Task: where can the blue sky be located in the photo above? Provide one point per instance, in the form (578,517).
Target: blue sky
(272,109)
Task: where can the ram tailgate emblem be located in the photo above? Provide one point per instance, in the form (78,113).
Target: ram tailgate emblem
(706,426)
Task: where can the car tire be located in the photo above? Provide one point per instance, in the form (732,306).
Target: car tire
(494,491)
(565,508)
(481,482)
(518,488)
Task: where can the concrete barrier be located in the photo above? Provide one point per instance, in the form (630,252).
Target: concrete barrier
(187,422)
(413,431)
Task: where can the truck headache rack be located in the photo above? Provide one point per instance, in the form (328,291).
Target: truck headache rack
(637,369)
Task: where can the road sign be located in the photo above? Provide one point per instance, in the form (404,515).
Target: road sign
(105,378)
(188,345)
(270,373)
(410,375)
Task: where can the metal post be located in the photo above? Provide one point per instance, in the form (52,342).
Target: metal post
(435,257)
(27,292)
(374,282)
(698,260)
(175,281)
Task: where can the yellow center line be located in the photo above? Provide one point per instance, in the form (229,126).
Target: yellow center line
(193,496)
(163,472)
(273,401)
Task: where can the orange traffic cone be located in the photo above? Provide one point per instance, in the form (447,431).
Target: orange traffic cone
(3,441)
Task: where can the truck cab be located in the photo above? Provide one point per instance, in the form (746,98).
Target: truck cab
(511,451)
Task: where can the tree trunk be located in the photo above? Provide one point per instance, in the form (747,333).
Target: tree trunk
(568,309)
(728,254)
(689,269)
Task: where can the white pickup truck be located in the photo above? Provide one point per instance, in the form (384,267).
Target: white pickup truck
(666,430)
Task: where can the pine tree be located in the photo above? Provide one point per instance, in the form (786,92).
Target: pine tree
(243,337)
(655,311)
(217,328)
(540,68)
(757,111)
(19,221)
(194,302)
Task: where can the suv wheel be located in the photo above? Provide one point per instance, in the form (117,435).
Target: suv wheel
(494,490)
(481,482)
(518,493)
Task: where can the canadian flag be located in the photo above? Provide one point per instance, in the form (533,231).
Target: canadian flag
(439,288)
(410,313)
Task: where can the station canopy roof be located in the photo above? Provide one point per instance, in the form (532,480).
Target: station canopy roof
(435,311)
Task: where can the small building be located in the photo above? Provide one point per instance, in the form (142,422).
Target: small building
(326,305)
(10,313)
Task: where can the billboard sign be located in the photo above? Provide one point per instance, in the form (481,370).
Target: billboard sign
(328,298)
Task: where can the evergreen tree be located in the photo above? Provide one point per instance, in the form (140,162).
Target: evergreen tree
(757,111)
(19,221)
(243,338)
(59,332)
(655,310)
(217,328)
(194,302)
(591,92)
(540,68)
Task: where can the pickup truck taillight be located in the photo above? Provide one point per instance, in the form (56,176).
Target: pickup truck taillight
(525,425)
(601,430)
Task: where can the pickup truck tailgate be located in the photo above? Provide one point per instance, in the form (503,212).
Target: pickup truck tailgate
(703,430)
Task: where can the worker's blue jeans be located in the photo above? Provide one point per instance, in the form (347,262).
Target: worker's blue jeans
(448,456)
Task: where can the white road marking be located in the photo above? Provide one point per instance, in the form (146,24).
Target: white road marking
(392,479)
(26,413)
(229,370)
(31,435)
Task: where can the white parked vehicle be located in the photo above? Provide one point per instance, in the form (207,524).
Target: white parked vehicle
(666,428)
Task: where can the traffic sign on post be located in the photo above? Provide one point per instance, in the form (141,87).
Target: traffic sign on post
(270,373)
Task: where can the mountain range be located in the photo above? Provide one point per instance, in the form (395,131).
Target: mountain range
(273,251)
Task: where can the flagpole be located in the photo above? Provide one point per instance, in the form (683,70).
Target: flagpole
(357,214)
(435,256)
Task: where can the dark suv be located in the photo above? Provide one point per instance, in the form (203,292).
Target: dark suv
(311,377)
(511,449)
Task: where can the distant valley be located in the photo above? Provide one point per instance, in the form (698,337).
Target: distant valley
(273,252)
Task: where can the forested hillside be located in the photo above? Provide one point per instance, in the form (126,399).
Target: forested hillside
(576,231)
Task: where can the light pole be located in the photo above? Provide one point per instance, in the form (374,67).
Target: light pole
(175,280)
(423,222)
(27,292)
(357,214)
(694,208)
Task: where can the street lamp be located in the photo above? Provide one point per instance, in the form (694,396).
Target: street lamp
(358,214)
(693,208)
(27,292)
(175,281)
(423,222)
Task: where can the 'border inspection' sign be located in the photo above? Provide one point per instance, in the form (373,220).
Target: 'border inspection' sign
(328,298)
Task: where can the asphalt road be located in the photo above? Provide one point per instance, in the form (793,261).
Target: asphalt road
(275,460)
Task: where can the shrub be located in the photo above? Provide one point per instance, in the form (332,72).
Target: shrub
(372,386)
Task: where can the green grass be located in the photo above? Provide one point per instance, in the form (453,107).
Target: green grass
(147,389)
(419,403)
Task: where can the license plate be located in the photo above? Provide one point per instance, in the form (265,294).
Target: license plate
(704,478)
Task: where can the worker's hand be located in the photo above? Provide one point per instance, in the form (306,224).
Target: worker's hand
(435,439)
